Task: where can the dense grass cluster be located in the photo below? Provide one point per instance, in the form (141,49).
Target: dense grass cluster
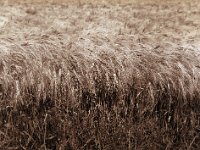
(108,86)
(49,95)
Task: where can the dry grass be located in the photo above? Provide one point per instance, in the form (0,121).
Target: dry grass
(97,1)
(100,76)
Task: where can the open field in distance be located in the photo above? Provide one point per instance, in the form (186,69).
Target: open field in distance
(100,76)
(98,2)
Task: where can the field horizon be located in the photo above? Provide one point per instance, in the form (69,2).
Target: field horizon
(97,2)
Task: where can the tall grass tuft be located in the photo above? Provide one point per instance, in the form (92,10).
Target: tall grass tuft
(102,85)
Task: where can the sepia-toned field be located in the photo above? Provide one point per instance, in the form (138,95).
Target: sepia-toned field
(99,75)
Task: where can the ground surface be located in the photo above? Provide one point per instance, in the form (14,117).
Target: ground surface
(36,37)
(153,24)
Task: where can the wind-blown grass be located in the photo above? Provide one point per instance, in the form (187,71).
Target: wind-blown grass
(99,85)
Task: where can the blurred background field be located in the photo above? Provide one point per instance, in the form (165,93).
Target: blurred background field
(98,2)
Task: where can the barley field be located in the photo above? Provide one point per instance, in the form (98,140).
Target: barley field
(99,75)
